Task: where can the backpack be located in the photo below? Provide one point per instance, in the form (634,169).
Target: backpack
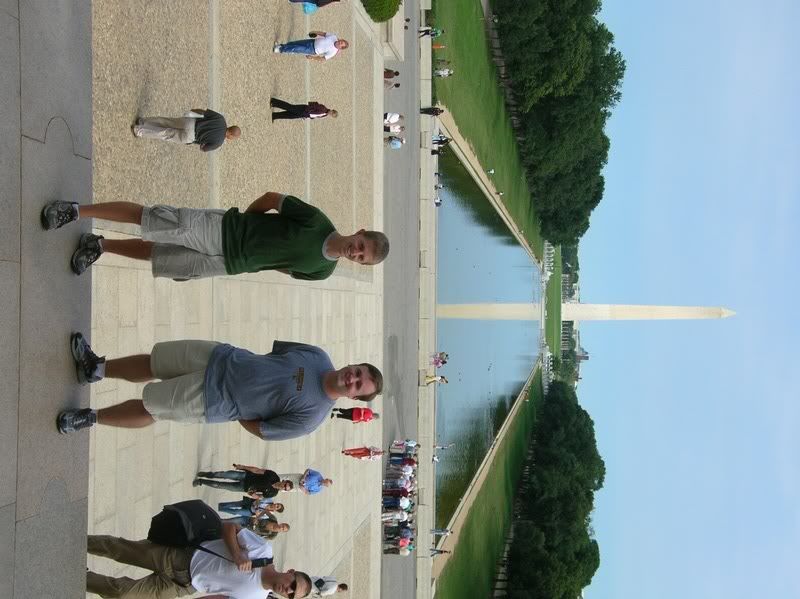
(188,524)
(185,524)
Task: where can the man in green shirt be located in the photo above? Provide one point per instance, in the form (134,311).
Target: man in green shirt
(276,232)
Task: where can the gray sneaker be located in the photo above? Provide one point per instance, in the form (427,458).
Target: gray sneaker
(86,361)
(70,421)
(57,214)
(88,252)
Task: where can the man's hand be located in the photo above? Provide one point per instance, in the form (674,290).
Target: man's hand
(244,564)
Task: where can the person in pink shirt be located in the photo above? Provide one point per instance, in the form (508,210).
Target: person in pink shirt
(355,414)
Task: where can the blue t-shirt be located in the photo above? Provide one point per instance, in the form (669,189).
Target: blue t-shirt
(313,482)
(282,389)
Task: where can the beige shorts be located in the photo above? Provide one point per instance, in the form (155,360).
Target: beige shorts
(181,366)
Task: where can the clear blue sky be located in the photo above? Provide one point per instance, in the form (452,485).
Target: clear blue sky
(699,422)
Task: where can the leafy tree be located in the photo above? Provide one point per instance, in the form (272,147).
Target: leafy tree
(554,555)
(565,76)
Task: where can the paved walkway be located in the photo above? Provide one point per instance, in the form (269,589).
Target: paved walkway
(223,57)
(45,153)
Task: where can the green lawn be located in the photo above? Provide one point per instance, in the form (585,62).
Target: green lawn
(552,326)
(476,102)
(470,571)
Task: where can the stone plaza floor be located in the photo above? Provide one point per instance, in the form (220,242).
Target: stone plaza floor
(163,59)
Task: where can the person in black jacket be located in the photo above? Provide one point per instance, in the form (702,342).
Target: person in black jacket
(312,110)
(255,481)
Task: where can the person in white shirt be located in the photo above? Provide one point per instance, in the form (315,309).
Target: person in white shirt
(392,118)
(181,571)
(320,46)
(323,586)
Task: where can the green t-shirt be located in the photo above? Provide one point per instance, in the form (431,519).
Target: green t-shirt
(290,240)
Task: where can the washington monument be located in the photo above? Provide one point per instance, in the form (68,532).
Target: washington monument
(574,311)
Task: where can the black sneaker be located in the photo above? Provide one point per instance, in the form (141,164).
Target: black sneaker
(196,482)
(86,361)
(70,421)
(57,214)
(88,252)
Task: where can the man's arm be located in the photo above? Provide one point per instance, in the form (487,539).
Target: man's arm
(229,537)
(252,426)
(314,57)
(199,110)
(313,33)
(269,201)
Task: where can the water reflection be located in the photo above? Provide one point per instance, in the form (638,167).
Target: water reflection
(478,261)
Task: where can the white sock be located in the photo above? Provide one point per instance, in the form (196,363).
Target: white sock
(100,370)
(77,209)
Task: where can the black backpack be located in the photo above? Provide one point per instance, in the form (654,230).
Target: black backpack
(185,524)
(188,524)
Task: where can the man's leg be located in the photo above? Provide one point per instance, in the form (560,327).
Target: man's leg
(236,475)
(297,47)
(135,369)
(163,128)
(129,414)
(288,115)
(120,212)
(346,413)
(154,586)
(142,554)
(218,484)
(283,105)
(137,249)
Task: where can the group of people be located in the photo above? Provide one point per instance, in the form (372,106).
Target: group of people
(399,498)
(284,394)
(438,360)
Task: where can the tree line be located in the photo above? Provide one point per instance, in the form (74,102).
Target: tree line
(554,554)
(565,75)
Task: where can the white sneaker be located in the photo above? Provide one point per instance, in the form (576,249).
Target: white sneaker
(276,48)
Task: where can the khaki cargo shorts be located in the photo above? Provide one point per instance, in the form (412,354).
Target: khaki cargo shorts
(188,242)
(181,366)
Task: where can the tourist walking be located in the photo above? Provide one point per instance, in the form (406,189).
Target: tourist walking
(432,110)
(435,552)
(256,482)
(309,482)
(249,507)
(433,32)
(395,128)
(320,46)
(390,73)
(188,243)
(310,110)
(430,379)
(317,3)
(282,395)
(392,118)
(394,142)
(445,532)
(364,453)
(223,567)
(203,127)
(389,84)
(442,73)
(355,414)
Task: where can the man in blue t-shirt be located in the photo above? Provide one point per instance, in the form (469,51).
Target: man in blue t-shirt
(284,394)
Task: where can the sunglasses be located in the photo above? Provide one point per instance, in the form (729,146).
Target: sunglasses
(292,588)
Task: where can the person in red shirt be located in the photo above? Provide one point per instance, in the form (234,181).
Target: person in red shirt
(355,414)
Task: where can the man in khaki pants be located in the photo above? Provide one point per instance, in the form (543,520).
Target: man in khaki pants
(182,571)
